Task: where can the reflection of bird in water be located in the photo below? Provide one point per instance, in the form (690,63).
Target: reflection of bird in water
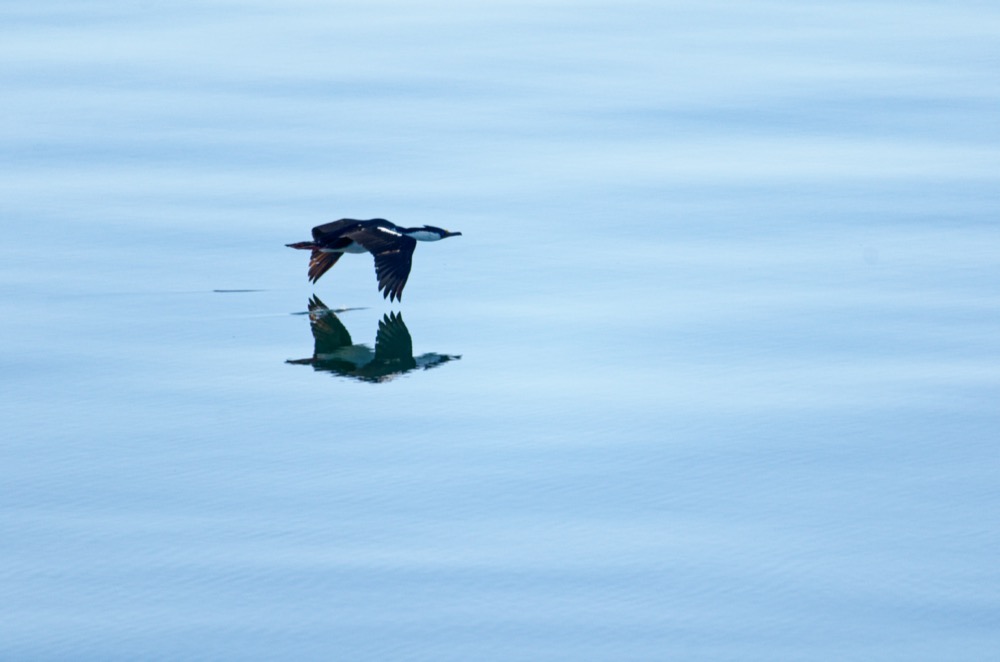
(391,245)
(393,354)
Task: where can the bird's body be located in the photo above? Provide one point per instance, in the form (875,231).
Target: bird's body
(392,247)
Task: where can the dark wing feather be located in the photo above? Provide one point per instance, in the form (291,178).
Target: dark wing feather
(333,229)
(393,268)
(320,262)
(393,253)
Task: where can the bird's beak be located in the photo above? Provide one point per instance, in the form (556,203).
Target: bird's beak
(454,234)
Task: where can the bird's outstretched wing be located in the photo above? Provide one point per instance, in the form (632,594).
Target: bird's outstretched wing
(392,267)
(393,253)
(320,262)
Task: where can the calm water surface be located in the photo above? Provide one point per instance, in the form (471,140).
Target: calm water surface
(712,373)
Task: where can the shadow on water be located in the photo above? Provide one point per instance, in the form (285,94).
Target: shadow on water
(393,354)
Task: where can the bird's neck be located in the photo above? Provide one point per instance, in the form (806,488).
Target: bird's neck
(422,235)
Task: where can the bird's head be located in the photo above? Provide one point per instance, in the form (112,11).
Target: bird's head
(429,233)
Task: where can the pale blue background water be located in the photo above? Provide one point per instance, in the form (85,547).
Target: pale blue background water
(727,302)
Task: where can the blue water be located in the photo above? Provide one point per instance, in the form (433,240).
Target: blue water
(721,336)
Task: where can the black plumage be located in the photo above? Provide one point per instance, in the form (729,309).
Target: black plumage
(391,246)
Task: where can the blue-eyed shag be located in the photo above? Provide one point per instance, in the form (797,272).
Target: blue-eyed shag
(391,245)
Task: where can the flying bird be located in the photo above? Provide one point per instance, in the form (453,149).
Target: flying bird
(391,245)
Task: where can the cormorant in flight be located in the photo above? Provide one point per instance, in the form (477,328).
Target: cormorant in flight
(391,245)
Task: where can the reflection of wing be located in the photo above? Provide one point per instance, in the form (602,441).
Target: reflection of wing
(393,253)
(329,333)
(393,341)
